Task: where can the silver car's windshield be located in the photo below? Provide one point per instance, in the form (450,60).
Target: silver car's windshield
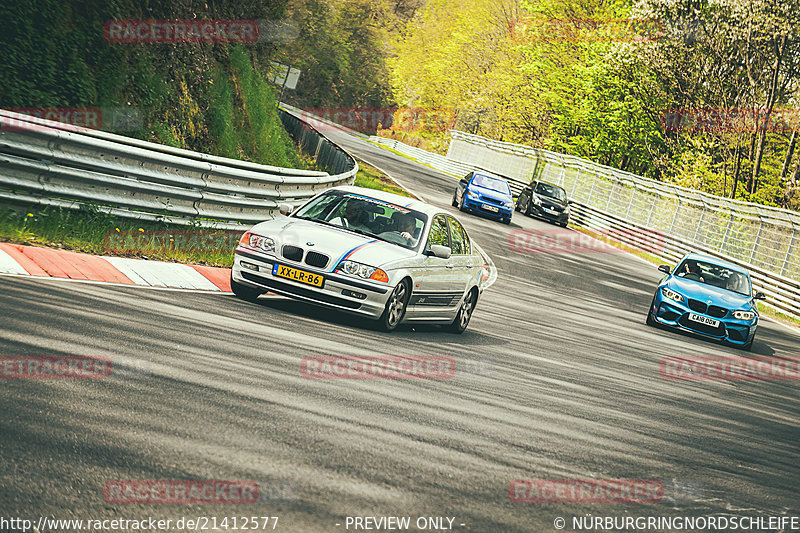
(367,216)
(715,275)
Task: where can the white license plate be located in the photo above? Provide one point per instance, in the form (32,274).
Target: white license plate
(550,211)
(703,320)
(490,208)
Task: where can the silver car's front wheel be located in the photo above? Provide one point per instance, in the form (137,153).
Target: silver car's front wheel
(395,307)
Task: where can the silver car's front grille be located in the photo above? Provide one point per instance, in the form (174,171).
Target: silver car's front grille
(317,259)
(293,253)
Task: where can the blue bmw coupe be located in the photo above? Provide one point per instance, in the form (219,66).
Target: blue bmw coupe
(707,296)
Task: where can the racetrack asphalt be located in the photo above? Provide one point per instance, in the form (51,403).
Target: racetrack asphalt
(558,377)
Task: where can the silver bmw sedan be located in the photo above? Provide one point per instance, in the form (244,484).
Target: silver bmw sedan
(366,252)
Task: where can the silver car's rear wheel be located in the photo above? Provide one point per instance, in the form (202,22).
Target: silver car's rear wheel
(395,307)
(461,321)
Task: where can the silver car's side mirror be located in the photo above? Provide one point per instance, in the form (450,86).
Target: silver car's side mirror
(760,296)
(664,268)
(442,252)
(285,209)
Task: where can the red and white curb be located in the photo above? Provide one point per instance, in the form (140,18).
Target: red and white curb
(17,259)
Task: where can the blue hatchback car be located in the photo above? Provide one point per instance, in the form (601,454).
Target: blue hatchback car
(707,296)
(485,194)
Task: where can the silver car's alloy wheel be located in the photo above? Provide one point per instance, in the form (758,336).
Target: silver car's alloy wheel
(395,307)
(466,311)
(461,321)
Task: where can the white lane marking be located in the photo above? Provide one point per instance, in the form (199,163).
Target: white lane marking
(128,285)
(793,329)
(8,265)
(160,273)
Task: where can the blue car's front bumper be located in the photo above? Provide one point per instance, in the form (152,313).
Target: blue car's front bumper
(502,212)
(668,312)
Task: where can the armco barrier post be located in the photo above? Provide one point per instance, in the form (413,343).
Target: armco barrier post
(789,250)
(630,204)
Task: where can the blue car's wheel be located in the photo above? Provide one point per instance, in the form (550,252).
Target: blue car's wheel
(749,345)
(651,321)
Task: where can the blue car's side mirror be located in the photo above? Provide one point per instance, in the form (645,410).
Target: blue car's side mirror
(760,296)
(664,268)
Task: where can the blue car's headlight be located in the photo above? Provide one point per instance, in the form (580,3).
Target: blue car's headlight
(672,295)
(744,315)
(509,205)
(472,195)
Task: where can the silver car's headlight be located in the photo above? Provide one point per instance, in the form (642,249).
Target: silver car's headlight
(744,315)
(672,295)
(259,242)
(361,270)
(535,199)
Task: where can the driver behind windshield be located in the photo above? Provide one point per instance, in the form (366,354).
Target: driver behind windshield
(406,226)
(692,271)
(353,216)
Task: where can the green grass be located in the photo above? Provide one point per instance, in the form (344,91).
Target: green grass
(777,315)
(372,178)
(94,232)
(98,233)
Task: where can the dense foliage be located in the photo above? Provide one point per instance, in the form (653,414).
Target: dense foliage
(211,97)
(678,90)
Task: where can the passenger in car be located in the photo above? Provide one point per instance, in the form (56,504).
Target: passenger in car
(735,282)
(354,216)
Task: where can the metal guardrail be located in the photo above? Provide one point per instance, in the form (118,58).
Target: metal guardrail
(631,209)
(783,293)
(765,237)
(50,163)
(765,240)
(437,161)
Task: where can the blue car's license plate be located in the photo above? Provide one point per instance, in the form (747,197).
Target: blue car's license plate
(703,320)
(491,208)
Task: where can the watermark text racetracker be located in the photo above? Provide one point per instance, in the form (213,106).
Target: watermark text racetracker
(196,492)
(54,367)
(377,367)
(565,241)
(115,119)
(372,119)
(219,241)
(732,368)
(585,490)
